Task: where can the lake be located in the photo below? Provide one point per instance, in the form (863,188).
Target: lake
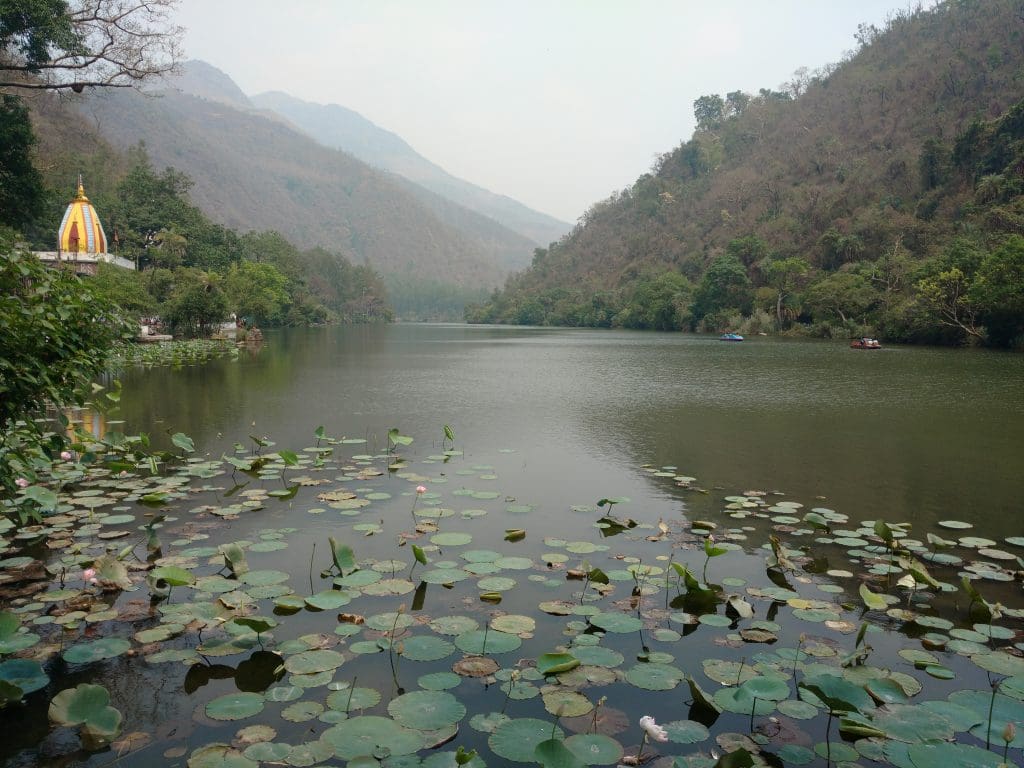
(907,433)
(547,422)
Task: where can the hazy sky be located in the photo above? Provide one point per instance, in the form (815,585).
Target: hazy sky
(556,103)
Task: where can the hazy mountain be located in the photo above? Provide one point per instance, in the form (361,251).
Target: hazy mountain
(253,170)
(342,128)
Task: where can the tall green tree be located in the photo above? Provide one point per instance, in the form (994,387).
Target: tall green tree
(997,293)
(21,185)
(725,286)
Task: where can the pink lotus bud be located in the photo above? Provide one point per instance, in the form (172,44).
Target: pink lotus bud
(21,482)
(421,489)
(89,575)
(65,455)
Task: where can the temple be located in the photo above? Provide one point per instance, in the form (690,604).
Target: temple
(81,241)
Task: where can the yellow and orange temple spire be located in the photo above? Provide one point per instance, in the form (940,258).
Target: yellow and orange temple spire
(81,230)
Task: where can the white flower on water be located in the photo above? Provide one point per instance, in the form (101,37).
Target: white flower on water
(654,731)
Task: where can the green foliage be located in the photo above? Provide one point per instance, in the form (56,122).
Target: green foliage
(21,185)
(257,291)
(196,303)
(725,286)
(56,337)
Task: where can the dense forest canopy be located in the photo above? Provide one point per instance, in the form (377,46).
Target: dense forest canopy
(884,195)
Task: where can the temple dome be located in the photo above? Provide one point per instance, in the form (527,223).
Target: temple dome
(80,230)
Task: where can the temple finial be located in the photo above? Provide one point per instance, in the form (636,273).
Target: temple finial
(81,189)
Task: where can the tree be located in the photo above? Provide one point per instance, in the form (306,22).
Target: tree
(196,303)
(724,286)
(258,292)
(21,185)
(709,110)
(842,294)
(74,44)
(998,292)
(785,275)
(944,297)
(56,336)
(124,288)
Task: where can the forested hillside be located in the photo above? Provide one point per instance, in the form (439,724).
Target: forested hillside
(883,194)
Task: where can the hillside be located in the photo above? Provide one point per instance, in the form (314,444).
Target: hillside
(252,173)
(830,206)
(342,128)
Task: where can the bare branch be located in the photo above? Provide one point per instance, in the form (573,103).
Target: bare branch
(119,43)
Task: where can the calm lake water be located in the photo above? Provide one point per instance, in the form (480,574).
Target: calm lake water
(904,433)
(548,421)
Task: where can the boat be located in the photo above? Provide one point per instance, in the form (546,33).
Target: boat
(730,337)
(865,342)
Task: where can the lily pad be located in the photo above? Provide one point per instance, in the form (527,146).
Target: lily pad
(517,740)
(370,735)
(426,710)
(96,650)
(235,706)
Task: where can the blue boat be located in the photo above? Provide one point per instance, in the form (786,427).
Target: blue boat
(730,337)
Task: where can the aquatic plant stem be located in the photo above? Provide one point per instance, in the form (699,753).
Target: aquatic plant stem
(352,690)
(640,751)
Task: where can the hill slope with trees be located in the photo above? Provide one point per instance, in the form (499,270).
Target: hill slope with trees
(879,195)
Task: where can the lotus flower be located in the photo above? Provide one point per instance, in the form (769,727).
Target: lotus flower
(652,729)
(65,455)
(421,489)
(89,575)
(21,482)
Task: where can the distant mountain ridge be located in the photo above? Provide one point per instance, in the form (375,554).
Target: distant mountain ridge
(336,126)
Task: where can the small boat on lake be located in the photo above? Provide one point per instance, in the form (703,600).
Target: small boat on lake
(865,342)
(730,337)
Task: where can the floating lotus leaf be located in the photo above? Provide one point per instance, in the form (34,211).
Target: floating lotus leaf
(263,578)
(794,754)
(958,525)
(798,710)
(886,691)
(552,753)
(514,563)
(837,751)
(952,756)
(597,655)
(514,624)
(475,666)
(301,711)
(565,703)
(439,681)
(235,706)
(961,718)
(655,677)
(488,723)
(1004,710)
(686,732)
(554,663)
(444,575)
(358,579)
(219,756)
(311,662)
(484,642)
(616,622)
(352,699)
(836,693)
(452,539)
(389,587)
(714,620)
(765,687)
(453,625)
(912,724)
(268,751)
(496,584)
(386,622)
(370,736)
(426,710)
(517,740)
(741,701)
(253,734)
(437,760)
(728,672)
(426,648)
(328,600)
(96,650)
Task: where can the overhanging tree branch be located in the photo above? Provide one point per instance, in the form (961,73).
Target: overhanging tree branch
(76,44)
